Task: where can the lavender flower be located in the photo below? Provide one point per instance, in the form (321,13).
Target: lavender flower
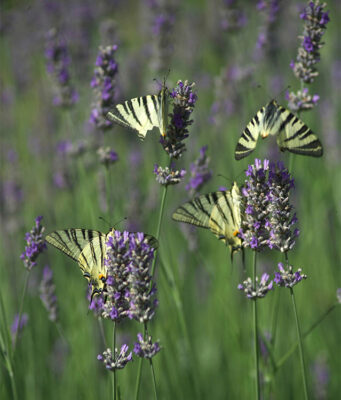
(257,290)
(184,100)
(17,327)
(95,303)
(35,245)
(301,100)
(58,61)
(287,277)
(304,68)
(107,156)
(127,290)
(200,173)
(167,176)
(142,291)
(104,85)
(47,294)
(118,361)
(269,217)
(146,348)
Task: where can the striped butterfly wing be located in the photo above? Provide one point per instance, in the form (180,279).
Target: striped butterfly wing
(292,134)
(296,137)
(84,246)
(142,114)
(198,211)
(225,218)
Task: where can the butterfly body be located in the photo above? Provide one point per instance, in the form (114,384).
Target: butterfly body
(220,212)
(89,249)
(142,114)
(291,133)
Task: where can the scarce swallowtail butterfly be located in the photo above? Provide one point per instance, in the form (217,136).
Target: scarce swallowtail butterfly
(218,211)
(89,249)
(292,134)
(142,114)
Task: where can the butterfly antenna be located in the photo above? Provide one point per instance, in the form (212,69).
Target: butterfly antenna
(104,220)
(121,220)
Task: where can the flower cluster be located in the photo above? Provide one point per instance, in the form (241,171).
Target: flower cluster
(146,348)
(35,244)
(58,61)
(304,68)
(269,217)
(167,176)
(184,100)
(232,18)
(301,100)
(287,277)
(107,156)
(47,294)
(258,289)
(104,86)
(128,288)
(200,173)
(117,361)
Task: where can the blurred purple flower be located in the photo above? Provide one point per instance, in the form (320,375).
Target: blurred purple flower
(35,244)
(47,294)
(58,61)
(168,176)
(200,173)
(18,324)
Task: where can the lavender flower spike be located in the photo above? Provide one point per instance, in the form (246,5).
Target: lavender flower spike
(17,327)
(35,245)
(184,100)
(58,62)
(104,86)
(287,277)
(269,217)
(117,361)
(315,23)
(258,289)
(167,176)
(47,294)
(200,173)
(146,348)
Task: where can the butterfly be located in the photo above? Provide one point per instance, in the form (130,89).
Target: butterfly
(142,114)
(218,211)
(292,134)
(88,247)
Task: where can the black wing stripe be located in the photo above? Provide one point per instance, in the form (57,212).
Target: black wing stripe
(247,135)
(146,108)
(74,239)
(298,133)
(64,244)
(132,111)
(154,102)
(286,121)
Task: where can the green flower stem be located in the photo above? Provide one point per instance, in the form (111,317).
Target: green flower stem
(114,378)
(304,335)
(158,229)
(255,326)
(101,329)
(6,349)
(299,336)
(138,379)
(153,376)
(21,308)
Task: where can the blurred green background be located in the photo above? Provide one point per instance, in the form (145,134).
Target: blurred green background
(203,321)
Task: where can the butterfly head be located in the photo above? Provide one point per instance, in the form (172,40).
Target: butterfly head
(264,134)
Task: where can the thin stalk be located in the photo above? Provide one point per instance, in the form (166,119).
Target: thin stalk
(101,329)
(255,327)
(304,335)
(299,337)
(114,378)
(138,379)
(153,376)
(21,308)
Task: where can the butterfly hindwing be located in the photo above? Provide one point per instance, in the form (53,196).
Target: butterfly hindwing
(292,134)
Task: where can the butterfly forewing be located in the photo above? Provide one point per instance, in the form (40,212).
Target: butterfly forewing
(71,241)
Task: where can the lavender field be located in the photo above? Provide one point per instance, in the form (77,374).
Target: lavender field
(248,308)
